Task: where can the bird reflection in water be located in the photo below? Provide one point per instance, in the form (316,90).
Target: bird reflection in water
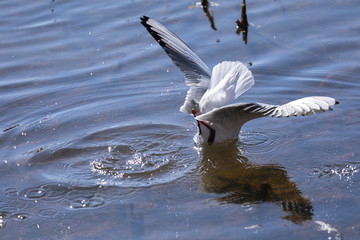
(228,173)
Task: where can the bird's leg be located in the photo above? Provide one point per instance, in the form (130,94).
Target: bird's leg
(212,131)
(198,123)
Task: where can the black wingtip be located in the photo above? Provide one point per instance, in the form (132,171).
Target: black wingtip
(144,19)
(154,34)
(336,102)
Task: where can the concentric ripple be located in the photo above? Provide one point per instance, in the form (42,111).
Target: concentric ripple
(47,192)
(153,158)
(262,142)
(22,216)
(87,198)
(51,214)
(136,155)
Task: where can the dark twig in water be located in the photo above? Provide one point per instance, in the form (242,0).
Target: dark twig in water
(242,26)
(205,7)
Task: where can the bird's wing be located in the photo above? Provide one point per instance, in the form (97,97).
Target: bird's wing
(197,74)
(247,111)
(304,106)
(228,81)
(229,119)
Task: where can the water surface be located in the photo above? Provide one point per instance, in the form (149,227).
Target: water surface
(92,143)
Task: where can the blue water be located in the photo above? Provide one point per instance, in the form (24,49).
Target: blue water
(93,146)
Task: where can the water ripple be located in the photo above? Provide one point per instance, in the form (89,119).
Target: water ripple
(47,192)
(6,207)
(87,198)
(51,214)
(135,155)
(22,216)
(262,142)
(11,192)
(69,222)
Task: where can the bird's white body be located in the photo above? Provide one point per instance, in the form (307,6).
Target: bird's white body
(211,91)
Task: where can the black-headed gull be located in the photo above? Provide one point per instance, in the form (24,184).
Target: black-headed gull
(211,91)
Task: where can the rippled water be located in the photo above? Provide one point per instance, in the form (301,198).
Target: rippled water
(92,145)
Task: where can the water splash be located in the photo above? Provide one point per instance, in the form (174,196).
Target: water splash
(131,156)
(344,171)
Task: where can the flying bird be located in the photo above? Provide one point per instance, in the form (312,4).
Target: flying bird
(211,91)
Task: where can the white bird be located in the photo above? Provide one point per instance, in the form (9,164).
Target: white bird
(211,91)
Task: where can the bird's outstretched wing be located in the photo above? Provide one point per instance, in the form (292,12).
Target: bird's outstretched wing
(229,119)
(300,107)
(228,81)
(197,74)
(304,106)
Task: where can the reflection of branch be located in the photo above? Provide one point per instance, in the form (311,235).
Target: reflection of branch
(239,181)
(205,7)
(242,26)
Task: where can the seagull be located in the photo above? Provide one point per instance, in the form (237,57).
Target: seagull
(211,92)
